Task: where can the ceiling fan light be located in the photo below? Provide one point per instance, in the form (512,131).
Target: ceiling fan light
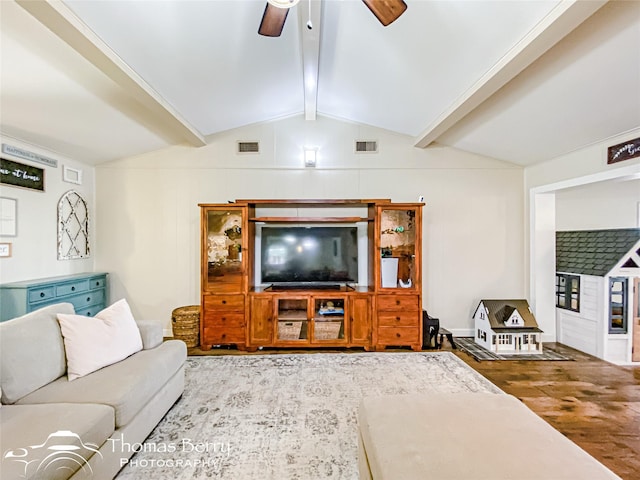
(283,3)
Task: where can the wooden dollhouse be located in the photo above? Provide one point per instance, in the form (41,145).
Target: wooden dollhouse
(507,327)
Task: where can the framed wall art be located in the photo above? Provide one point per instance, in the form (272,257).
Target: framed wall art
(623,151)
(18,174)
(8,217)
(5,249)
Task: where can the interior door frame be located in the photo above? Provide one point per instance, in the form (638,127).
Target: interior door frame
(635,316)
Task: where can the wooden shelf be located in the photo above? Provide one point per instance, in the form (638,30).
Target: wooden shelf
(287,315)
(310,219)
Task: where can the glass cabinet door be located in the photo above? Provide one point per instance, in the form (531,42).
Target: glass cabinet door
(328,319)
(224,243)
(398,247)
(293,321)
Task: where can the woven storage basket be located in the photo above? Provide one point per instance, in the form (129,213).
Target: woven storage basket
(186,324)
(289,330)
(326,330)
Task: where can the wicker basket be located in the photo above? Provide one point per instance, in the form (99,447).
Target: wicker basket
(186,324)
(326,330)
(289,330)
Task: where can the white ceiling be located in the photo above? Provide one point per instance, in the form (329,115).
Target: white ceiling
(522,81)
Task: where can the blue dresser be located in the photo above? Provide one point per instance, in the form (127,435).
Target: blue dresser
(86,291)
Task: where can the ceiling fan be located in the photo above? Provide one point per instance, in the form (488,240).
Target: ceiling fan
(275,13)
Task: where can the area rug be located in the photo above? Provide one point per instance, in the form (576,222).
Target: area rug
(467,345)
(285,417)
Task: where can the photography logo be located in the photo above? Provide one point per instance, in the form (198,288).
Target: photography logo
(62,450)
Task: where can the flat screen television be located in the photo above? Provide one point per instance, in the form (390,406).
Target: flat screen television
(318,254)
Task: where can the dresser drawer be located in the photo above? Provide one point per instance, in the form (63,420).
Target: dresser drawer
(224,302)
(398,302)
(41,294)
(90,311)
(71,288)
(80,302)
(215,336)
(398,336)
(223,319)
(98,282)
(398,319)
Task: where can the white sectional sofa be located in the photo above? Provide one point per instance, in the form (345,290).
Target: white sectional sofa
(53,428)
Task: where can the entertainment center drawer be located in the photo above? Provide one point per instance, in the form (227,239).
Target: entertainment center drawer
(215,336)
(398,336)
(398,302)
(219,319)
(397,319)
(224,302)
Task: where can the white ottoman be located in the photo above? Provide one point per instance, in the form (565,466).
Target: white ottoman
(470,436)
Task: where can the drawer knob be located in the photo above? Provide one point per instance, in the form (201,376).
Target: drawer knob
(398,335)
(41,294)
(398,318)
(88,299)
(224,319)
(224,302)
(397,302)
(73,289)
(97,284)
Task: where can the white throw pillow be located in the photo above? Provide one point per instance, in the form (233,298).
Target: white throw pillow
(91,343)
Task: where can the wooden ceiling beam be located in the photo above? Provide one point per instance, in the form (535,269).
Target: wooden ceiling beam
(563,19)
(61,20)
(310,47)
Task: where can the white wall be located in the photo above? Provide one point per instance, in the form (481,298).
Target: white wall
(609,204)
(148,218)
(35,247)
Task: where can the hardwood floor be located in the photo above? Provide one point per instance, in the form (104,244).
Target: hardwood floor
(592,402)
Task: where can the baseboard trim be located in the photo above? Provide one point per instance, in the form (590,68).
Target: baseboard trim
(461,332)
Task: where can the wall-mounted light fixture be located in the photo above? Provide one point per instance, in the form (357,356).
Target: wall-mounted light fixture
(310,157)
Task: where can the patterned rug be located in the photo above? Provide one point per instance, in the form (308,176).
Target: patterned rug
(284,417)
(467,345)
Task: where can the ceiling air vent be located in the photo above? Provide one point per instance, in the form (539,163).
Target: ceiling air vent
(366,146)
(248,147)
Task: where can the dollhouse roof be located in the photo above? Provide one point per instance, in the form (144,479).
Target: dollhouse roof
(500,310)
(593,252)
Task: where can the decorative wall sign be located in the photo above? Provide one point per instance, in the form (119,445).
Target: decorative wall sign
(73,227)
(71,175)
(27,155)
(5,249)
(8,217)
(21,175)
(624,151)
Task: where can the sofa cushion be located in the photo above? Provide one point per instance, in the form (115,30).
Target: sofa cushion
(29,432)
(127,386)
(31,351)
(151,333)
(94,342)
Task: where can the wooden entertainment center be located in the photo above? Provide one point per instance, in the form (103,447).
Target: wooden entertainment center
(383,309)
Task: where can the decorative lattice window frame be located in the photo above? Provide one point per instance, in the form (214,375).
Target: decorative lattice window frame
(73,227)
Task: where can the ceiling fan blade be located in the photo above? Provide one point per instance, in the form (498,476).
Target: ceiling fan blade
(272,21)
(386,11)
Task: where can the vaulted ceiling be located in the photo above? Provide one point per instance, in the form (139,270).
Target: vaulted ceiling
(522,81)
